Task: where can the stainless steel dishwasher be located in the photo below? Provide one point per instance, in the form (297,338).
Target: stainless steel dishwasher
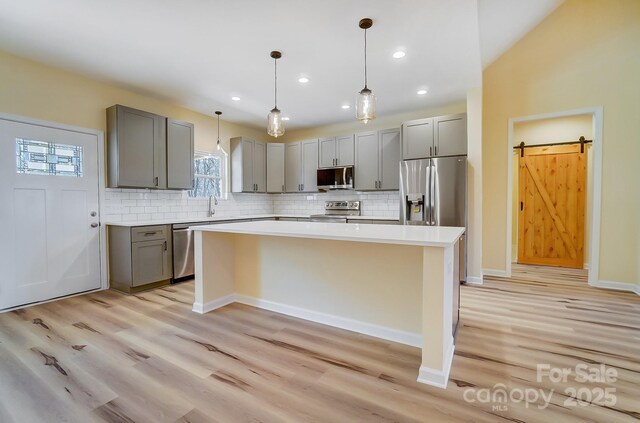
(182,252)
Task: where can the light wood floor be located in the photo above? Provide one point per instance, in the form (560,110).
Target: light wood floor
(148,358)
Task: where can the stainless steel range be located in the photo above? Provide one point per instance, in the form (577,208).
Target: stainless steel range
(337,211)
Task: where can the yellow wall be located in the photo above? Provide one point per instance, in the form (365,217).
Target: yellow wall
(584,54)
(381,122)
(39,91)
(562,129)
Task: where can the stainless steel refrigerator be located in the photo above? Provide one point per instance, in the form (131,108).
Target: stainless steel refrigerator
(433,192)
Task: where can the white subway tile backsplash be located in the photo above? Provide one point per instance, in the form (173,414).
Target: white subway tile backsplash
(140,204)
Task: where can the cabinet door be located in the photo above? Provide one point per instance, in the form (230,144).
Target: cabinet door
(310,166)
(275,167)
(179,154)
(450,135)
(150,262)
(293,167)
(417,139)
(345,151)
(138,150)
(367,160)
(389,159)
(260,166)
(327,152)
(247,166)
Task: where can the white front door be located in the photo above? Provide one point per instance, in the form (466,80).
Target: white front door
(49,213)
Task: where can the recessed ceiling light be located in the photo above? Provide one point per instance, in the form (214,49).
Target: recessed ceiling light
(399,54)
(235,98)
(286,118)
(346,106)
(303,80)
(422,92)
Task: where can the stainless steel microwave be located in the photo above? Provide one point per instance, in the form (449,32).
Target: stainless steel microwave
(335,178)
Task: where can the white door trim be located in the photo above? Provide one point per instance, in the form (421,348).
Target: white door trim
(594,247)
(101,183)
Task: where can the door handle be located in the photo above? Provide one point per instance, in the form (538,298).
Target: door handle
(94,225)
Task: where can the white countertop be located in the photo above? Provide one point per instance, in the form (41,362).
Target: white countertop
(132,223)
(424,236)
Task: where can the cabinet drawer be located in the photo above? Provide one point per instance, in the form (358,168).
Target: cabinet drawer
(149,233)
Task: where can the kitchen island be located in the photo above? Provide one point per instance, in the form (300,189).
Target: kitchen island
(392,282)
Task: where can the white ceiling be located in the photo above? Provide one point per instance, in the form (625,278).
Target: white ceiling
(200,53)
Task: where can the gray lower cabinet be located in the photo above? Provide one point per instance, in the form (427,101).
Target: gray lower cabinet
(140,257)
(145,150)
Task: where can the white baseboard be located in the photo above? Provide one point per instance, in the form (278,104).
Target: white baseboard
(474,280)
(495,272)
(620,286)
(212,305)
(436,377)
(401,337)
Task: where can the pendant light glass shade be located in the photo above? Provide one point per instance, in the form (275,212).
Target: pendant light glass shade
(275,124)
(366,106)
(366,101)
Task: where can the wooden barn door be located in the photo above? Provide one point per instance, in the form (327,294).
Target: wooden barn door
(552,203)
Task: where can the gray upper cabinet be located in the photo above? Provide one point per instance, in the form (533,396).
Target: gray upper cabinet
(417,139)
(367,161)
(136,148)
(327,152)
(336,151)
(389,140)
(345,150)
(433,137)
(450,135)
(301,166)
(260,166)
(293,167)
(179,154)
(248,165)
(310,165)
(145,150)
(275,168)
(377,160)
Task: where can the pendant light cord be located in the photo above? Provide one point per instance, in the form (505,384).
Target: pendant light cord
(218,129)
(275,66)
(365,58)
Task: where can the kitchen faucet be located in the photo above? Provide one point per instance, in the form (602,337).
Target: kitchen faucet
(215,200)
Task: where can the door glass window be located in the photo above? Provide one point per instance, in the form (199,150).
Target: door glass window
(48,158)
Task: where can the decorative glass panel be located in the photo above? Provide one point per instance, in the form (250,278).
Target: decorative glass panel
(208,177)
(48,158)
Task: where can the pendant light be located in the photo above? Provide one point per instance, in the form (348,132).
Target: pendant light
(275,124)
(218,143)
(366,101)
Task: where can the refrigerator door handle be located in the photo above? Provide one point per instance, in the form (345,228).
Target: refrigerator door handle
(434,193)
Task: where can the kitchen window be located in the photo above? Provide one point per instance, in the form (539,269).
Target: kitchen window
(210,172)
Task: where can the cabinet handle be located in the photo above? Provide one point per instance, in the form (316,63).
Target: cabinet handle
(431,151)
(155,181)
(337,162)
(165,245)
(435,150)
(302,187)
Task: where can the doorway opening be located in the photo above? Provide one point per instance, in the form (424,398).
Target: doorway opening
(554,189)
